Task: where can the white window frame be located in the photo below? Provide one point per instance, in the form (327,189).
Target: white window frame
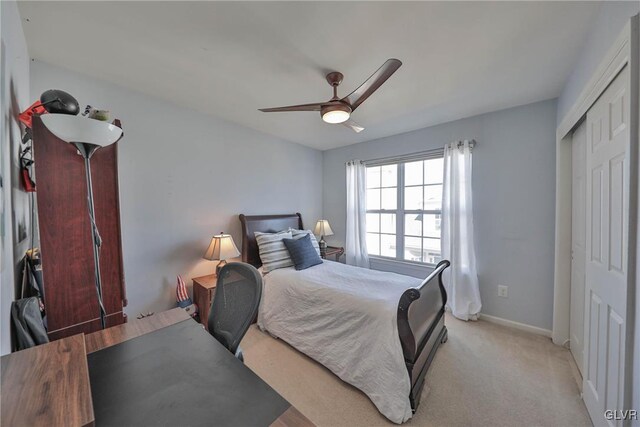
(400,211)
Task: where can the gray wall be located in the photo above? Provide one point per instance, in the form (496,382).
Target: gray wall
(185,176)
(514,202)
(14,203)
(611,18)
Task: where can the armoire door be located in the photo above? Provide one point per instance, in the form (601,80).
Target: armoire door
(606,291)
(578,242)
(66,245)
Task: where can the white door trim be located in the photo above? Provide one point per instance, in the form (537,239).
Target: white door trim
(578,242)
(618,55)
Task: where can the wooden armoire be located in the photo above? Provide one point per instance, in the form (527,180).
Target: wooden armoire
(66,247)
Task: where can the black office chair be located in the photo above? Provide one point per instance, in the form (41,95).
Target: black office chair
(235,304)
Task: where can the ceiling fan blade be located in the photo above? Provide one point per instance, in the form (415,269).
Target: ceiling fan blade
(372,84)
(353,125)
(301,107)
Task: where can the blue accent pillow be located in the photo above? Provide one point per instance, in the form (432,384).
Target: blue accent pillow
(302,252)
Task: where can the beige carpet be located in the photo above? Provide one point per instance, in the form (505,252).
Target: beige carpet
(485,375)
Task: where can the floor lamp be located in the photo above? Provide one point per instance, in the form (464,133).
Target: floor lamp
(87,135)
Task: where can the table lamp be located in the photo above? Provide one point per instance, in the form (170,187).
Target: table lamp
(87,135)
(323,229)
(222,247)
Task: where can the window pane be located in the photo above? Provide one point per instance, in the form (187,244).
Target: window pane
(431,250)
(433,197)
(413,173)
(373,223)
(373,244)
(390,176)
(413,224)
(413,198)
(389,198)
(388,223)
(373,177)
(431,225)
(388,245)
(373,199)
(433,171)
(412,249)
(422,192)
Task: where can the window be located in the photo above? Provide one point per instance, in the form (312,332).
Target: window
(404,208)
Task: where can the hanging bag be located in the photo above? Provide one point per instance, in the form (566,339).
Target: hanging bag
(26,320)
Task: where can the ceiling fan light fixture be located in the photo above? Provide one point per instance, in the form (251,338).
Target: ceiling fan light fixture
(336,113)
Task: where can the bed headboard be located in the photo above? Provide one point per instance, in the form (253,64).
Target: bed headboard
(265,224)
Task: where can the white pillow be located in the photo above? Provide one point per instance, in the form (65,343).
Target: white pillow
(299,234)
(273,252)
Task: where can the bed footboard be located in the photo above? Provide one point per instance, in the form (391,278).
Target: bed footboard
(421,327)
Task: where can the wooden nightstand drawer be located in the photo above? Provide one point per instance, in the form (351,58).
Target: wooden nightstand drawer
(204,289)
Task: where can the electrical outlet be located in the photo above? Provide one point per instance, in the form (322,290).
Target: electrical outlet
(503,291)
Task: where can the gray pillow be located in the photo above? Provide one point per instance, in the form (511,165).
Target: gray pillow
(302,252)
(273,253)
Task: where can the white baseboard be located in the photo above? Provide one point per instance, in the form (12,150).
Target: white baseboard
(516,325)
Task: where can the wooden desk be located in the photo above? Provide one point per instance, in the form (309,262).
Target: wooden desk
(179,374)
(117,334)
(158,369)
(47,385)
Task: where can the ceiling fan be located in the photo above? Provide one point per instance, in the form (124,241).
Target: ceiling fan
(338,110)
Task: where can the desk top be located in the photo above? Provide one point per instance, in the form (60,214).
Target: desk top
(164,369)
(117,334)
(178,375)
(47,385)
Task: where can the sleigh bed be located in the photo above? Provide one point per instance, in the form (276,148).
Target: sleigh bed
(376,330)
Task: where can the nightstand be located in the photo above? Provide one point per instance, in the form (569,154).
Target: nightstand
(204,288)
(333,251)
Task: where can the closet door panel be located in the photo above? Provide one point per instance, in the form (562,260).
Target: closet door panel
(606,282)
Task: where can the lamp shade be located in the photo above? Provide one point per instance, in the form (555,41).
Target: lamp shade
(222,247)
(323,228)
(81,129)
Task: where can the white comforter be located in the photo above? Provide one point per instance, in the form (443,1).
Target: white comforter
(345,318)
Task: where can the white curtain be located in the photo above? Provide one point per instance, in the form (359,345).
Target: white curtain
(461,279)
(356,244)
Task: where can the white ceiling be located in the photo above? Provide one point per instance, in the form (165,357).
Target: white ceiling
(229,59)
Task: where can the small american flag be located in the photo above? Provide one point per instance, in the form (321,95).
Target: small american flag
(182,297)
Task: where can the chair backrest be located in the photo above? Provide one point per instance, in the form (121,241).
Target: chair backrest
(235,303)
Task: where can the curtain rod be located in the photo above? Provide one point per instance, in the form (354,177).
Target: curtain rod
(419,155)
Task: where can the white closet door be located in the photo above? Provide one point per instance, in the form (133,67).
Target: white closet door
(578,242)
(606,290)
